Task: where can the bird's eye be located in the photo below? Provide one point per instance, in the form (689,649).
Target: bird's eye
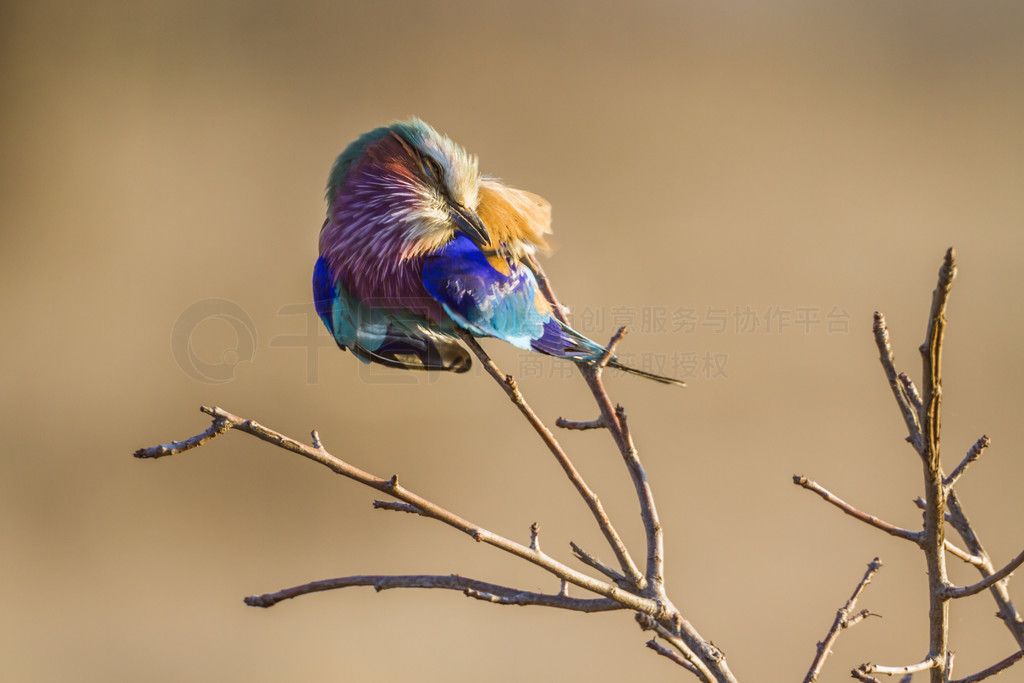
(432,169)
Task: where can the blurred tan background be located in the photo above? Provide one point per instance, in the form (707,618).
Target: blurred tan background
(807,162)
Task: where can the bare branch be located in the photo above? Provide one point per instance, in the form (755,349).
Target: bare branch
(906,408)
(629,568)
(924,665)
(934,488)
(217,428)
(597,564)
(609,351)
(670,636)
(859,617)
(648,510)
(471,587)
(842,621)
(961,554)
(711,661)
(988,581)
(892,530)
(976,450)
(871,520)
(994,669)
(912,393)
(642,593)
(863,677)
(433,511)
(1007,611)
(672,655)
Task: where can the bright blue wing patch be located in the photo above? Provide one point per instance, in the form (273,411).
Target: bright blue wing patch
(488,303)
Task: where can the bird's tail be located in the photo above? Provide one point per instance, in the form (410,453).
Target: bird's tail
(561,341)
(649,375)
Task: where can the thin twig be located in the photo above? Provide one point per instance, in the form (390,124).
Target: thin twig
(434,511)
(609,351)
(924,665)
(505,595)
(670,636)
(844,619)
(217,428)
(871,520)
(672,655)
(912,393)
(1007,611)
(973,454)
(994,669)
(988,581)
(711,661)
(859,617)
(908,411)
(629,568)
(648,510)
(612,418)
(892,530)
(856,673)
(588,559)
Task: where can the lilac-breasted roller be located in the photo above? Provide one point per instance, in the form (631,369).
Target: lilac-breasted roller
(418,243)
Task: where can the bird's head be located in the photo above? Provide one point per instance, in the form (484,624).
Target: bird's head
(409,185)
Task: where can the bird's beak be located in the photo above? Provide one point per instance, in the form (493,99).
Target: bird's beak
(468,223)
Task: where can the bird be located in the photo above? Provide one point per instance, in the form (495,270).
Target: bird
(419,247)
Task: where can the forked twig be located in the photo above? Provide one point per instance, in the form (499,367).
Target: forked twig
(922,415)
(629,567)
(642,593)
(650,584)
(899,532)
(845,618)
(426,508)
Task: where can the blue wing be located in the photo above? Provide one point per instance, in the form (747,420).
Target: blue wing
(392,338)
(496,298)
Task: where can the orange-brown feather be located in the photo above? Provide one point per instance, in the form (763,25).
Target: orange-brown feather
(517,219)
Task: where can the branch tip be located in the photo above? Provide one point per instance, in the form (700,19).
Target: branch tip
(973,454)
(844,619)
(609,351)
